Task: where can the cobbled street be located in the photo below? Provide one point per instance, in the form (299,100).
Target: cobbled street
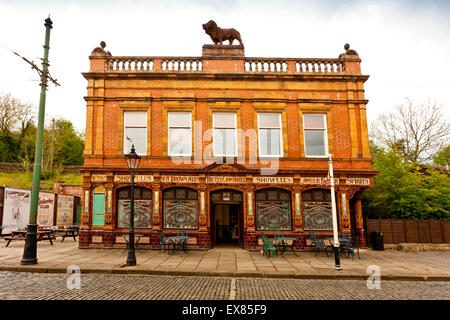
(15,285)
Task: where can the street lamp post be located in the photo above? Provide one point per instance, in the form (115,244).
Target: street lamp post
(132,162)
(30,249)
(333,210)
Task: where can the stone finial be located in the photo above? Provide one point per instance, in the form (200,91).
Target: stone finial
(100,51)
(348,52)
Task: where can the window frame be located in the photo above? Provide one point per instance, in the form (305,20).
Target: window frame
(325,136)
(281,153)
(235,135)
(125,113)
(168,135)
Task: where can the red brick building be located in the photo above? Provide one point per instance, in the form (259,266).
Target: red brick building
(231,147)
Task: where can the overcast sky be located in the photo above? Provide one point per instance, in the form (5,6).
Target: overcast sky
(404,45)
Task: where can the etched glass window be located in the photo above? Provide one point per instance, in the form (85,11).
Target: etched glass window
(135,129)
(142,208)
(180,208)
(315,135)
(273,210)
(180,133)
(224,134)
(317,213)
(270,137)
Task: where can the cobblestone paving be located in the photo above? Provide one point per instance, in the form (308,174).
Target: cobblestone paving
(15,285)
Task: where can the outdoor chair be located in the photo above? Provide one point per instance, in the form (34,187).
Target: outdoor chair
(351,247)
(163,242)
(181,244)
(317,244)
(268,246)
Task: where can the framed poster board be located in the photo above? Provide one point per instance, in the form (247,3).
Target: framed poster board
(16,209)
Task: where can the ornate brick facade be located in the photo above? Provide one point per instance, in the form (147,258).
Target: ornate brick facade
(224,80)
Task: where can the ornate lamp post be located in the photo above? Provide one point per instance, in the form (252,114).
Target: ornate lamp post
(132,162)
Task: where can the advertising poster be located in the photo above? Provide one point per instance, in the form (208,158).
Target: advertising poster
(64,213)
(46,208)
(16,210)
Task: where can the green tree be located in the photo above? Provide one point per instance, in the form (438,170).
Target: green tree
(403,190)
(442,158)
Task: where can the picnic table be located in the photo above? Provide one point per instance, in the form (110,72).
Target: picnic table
(68,231)
(179,241)
(342,242)
(20,235)
(283,241)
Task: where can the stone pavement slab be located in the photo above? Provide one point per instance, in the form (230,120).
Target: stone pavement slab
(231,262)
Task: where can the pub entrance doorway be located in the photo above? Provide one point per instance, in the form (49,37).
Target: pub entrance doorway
(227,218)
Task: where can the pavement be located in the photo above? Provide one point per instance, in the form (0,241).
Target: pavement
(227,261)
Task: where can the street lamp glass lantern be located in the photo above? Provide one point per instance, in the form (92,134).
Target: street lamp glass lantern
(132,159)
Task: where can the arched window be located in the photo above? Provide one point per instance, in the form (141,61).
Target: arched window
(317,214)
(180,208)
(142,207)
(98,206)
(273,209)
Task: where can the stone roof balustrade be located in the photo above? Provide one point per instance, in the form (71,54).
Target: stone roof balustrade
(237,65)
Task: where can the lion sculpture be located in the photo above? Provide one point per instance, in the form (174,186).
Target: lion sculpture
(218,34)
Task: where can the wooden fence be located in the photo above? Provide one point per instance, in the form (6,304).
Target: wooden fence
(411,231)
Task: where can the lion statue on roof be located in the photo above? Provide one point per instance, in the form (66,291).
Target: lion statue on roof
(218,35)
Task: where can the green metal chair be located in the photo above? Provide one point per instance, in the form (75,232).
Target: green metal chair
(268,246)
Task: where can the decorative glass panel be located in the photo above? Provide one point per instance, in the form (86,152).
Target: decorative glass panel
(142,213)
(284,196)
(272,195)
(273,215)
(317,216)
(180,193)
(318,195)
(306,196)
(261,195)
(180,214)
(237,196)
(168,194)
(146,194)
(123,194)
(216,196)
(192,194)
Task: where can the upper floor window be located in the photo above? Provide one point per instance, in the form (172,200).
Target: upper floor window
(270,137)
(224,134)
(135,128)
(315,135)
(179,134)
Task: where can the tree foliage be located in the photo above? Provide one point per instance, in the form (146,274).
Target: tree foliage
(403,190)
(415,131)
(442,158)
(62,144)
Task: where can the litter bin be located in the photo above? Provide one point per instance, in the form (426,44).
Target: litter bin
(377,240)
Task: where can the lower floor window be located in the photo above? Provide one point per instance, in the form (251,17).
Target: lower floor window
(273,210)
(180,208)
(317,213)
(142,208)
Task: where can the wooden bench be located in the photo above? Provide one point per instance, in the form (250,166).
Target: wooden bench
(13,237)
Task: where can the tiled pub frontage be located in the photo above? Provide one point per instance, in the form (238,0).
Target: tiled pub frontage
(231,146)
(223,205)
